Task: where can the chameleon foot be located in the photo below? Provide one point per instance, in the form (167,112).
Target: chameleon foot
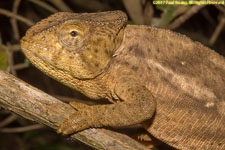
(77,121)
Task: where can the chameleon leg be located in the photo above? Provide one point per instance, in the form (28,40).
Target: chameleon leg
(137,105)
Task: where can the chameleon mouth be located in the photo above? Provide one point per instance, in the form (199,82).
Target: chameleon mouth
(26,44)
(51,61)
(34,49)
(34,52)
(29,49)
(41,63)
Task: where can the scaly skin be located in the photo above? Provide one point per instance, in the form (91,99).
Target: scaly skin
(133,67)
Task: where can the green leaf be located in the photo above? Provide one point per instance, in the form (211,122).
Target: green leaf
(26,61)
(169,13)
(3,57)
(161,7)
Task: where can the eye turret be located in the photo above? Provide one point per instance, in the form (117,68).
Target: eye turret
(71,37)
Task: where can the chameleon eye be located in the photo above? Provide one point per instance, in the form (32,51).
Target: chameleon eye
(71,36)
(73,33)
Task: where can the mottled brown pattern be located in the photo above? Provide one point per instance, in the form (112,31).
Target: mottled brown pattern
(147,73)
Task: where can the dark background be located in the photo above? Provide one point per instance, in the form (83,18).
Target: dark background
(201,23)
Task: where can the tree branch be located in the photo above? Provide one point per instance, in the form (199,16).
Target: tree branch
(33,104)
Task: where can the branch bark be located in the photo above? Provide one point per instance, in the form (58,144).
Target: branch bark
(33,104)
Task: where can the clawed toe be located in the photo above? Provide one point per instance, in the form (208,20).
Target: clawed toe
(75,122)
(63,130)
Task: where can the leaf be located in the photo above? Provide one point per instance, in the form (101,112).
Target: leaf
(3,57)
(26,61)
(169,12)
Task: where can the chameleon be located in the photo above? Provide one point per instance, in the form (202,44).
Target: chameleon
(173,86)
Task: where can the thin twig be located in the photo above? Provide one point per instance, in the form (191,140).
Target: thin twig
(220,8)
(94,5)
(60,4)
(14,47)
(208,16)
(135,10)
(194,9)
(21,129)
(10,60)
(21,66)
(14,21)
(148,13)
(44,5)
(217,31)
(18,17)
(8,120)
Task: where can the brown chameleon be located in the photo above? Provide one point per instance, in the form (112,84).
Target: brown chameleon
(173,86)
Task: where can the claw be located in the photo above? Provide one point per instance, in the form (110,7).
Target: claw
(62,130)
(76,122)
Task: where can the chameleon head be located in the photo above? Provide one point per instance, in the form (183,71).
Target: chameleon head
(81,45)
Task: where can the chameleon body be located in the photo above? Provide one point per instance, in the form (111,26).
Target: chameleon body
(173,86)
